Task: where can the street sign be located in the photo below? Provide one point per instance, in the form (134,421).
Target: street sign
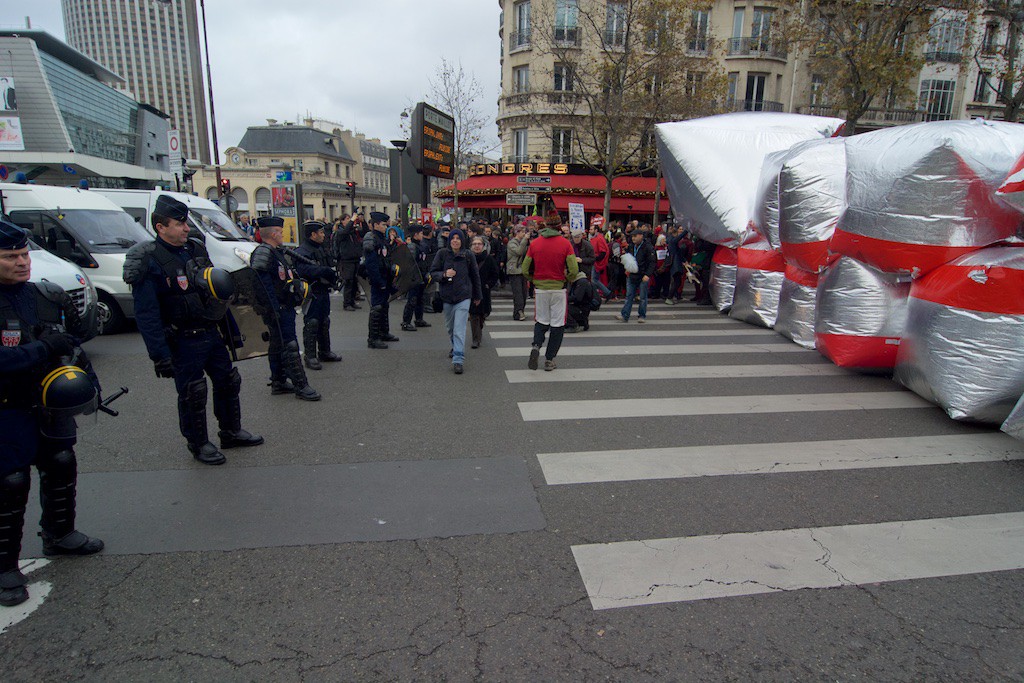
(544,180)
(576,216)
(174,152)
(521,199)
(432,142)
(533,188)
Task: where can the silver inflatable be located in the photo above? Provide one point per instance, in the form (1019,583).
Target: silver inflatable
(963,348)
(860,315)
(1012,189)
(712,165)
(812,196)
(723,278)
(921,195)
(796,307)
(767,214)
(1014,424)
(759,275)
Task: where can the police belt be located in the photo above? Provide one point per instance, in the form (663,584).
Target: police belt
(190,331)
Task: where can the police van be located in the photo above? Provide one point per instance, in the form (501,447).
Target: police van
(228,246)
(49,268)
(87,229)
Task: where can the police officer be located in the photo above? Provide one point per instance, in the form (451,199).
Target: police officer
(37,324)
(178,315)
(380,274)
(280,293)
(313,264)
(414,303)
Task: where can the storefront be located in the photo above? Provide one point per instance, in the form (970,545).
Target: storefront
(487,186)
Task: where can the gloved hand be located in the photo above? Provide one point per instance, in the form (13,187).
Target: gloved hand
(164,367)
(58,343)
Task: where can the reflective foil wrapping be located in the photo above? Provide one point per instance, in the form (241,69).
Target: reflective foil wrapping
(723,278)
(712,165)
(812,196)
(1014,424)
(796,307)
(767,218)
(759,275)
(860,315)
(963,348)
(1011,192)
(921,195)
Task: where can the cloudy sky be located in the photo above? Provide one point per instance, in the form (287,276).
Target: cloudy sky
(355,62)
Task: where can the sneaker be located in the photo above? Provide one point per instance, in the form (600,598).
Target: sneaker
(670,302)
(408,327)
(549,365)
(641,321)
(534,357)
(457,367)
(618,316)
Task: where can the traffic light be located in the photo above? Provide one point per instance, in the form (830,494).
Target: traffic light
(225,187)
(351,193)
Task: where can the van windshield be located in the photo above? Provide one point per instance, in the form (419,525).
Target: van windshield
(102,231)
(216,222)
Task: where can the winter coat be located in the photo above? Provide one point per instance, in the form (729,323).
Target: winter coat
(465,284)
(515,252)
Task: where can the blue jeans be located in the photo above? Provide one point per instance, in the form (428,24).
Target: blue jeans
(455,318)
(631,288)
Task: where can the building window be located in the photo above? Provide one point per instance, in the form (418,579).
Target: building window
(761,30)
(990,44)
(694,81)
(567,14)
(563,77)
(754,100)
(698,38)
(521,79)
(521,36)
(348,172)
(734,79)
(615,24)
(520,142)
(561,145)
(337,170)
(817,89)
(297,164)
(983,88)
(946,41)
(737,23)
(936,99)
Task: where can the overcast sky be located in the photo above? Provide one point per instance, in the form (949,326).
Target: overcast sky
(355,62)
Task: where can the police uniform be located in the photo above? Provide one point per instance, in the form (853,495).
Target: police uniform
(313,264)
(421,256)
(178,317)
(280,293)
(379,273)
(37,326)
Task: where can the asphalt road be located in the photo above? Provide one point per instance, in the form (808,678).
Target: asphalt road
(417,525)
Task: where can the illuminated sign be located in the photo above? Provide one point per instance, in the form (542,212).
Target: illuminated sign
(432,146)
(524,169)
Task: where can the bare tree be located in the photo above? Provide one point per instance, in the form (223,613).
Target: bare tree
(618,68)
(1009,88)
(455,91)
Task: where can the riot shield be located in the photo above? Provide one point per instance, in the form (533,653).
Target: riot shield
(408,273)
(243,328)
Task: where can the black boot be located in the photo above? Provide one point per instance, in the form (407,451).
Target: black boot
(228,410)
(13,498)
(192,418)
(476,327)
(373,339)
(408,327)
(58,475)
(291,363)
(207,453)
(385,328)
(281,385)
(310,332)
(324,342)
(422,323)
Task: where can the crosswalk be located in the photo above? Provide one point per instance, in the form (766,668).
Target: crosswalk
(633,572)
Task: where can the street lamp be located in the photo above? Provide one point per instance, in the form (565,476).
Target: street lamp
(403,202)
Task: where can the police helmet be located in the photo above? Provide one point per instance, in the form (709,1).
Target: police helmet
(218,282)
(299,289)
(66,392)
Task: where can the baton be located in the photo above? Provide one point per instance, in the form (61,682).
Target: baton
(104,406)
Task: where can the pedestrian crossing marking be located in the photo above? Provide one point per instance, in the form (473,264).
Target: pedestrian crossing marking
(585,467)
(537,411)
(637,331)
(729,323)
(658,349)
(646,372)
(632,573)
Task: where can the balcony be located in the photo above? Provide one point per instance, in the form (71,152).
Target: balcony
(556,98)
(568,36)
(877,116)
(947,57)
(519,40)
(753,105)
(755,47)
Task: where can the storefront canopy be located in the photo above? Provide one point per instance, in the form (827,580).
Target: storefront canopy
(630,194)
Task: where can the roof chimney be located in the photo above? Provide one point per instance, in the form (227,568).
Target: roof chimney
(271,122)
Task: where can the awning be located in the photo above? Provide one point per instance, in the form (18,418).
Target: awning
(488,192)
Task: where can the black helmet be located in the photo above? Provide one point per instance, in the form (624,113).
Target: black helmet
(299,289)
(65,393)
(219,283)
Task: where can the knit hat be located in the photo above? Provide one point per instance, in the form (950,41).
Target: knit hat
(553,220)
(461,235)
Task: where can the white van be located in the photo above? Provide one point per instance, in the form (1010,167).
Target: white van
(228,246)
(72,279)
(87,229)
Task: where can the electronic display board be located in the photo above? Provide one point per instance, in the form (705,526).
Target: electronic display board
(432,143)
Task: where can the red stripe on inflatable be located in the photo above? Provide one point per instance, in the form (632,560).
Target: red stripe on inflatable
(807,255)
(761,259)
(801,276)
(1010,185)
(895,257)
(996,289)
(853,351)
(724,256)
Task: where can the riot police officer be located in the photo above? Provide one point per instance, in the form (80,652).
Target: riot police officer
(280,293)
(178,315)
(37,324)
(313,264)
(380,275)
(418,247)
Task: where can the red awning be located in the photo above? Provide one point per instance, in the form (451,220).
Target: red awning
(488,192)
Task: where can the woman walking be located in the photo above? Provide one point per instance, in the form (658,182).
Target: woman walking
(455,269)
(488,270)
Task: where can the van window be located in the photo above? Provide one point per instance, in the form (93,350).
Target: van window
(216,222)
(49,234)
(102,231)
(138,214)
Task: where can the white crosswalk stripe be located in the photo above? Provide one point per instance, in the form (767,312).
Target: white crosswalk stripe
(659,349)
(619,374)
(722,322)
(642,332)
